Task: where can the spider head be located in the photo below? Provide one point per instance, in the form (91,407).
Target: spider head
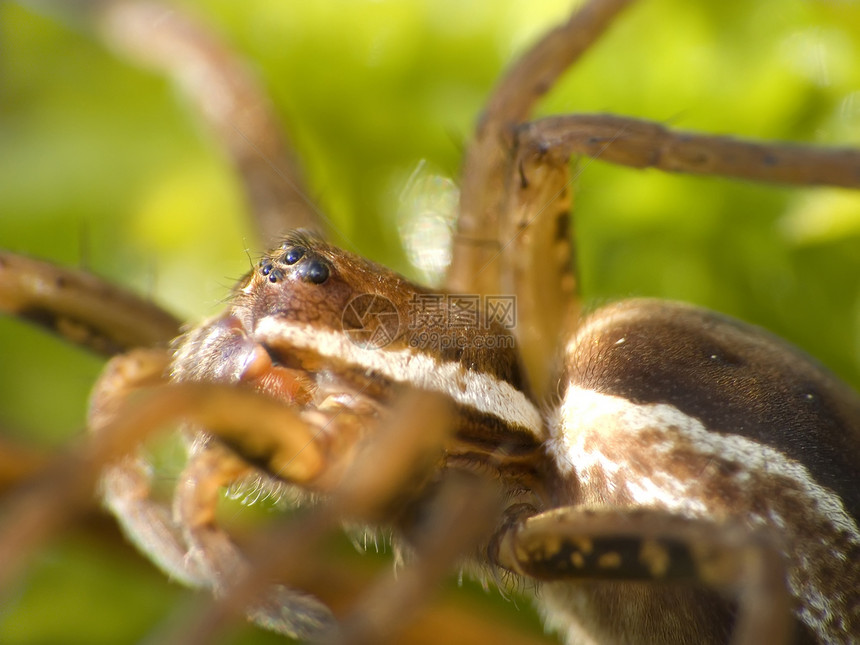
(313,288)
(313,305)
(332,333)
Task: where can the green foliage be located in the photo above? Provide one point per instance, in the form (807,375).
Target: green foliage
(104,167)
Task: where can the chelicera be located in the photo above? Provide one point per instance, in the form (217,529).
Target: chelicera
(682,441)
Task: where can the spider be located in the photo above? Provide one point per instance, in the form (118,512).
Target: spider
(586,196)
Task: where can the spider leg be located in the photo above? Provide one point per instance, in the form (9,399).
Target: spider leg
(188,546)
(476,263)
(126,484)
(81,307)
(537,251)
(148,524)
(215,555)
(512,234)
(19,462)
(273,434)
(226,95)
(537,254)
(461,515)
(644,144)
(452,516)
(604,544)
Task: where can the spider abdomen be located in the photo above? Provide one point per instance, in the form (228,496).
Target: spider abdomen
(672,407)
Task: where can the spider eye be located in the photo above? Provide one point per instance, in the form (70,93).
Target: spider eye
(315,270)
(293,255)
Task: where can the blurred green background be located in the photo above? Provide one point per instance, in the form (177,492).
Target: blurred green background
(103,166)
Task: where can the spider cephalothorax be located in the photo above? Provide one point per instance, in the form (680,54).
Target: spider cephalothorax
(320,327)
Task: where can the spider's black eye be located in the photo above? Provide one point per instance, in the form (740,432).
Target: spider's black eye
(266,267)
(315,270)
(293,255)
